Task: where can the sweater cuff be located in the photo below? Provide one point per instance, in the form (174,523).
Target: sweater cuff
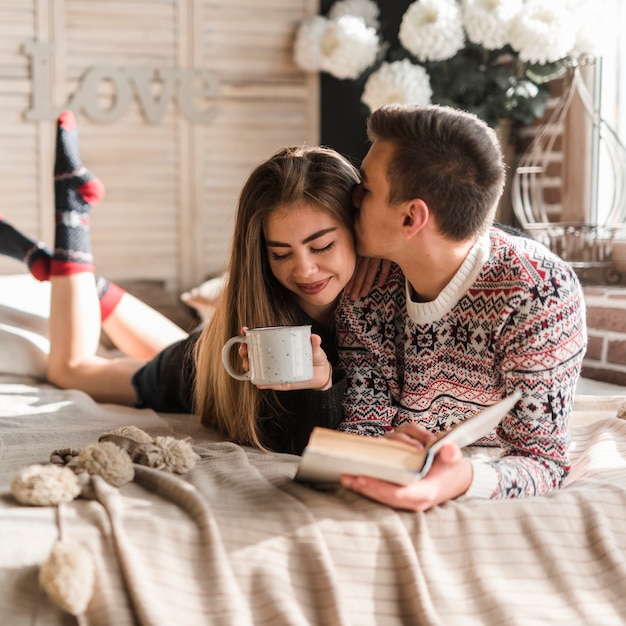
(484,481)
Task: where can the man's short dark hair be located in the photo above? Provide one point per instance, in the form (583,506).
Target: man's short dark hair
(448,158)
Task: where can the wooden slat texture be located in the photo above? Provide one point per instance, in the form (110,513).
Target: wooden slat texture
(18,142)
(172,184)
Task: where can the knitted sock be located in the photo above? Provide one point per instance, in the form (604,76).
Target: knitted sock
(18,246)
(76,191)
(110,295)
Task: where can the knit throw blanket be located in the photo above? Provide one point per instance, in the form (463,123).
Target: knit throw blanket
(237,542)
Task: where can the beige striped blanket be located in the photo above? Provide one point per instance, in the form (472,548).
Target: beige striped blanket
(237,542)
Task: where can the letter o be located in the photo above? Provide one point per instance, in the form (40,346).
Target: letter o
(87,96)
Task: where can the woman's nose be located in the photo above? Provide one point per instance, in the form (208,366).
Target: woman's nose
(305,265)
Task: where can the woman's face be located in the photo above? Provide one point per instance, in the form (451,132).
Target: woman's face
(311,254)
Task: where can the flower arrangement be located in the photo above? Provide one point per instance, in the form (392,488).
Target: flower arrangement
(491,57)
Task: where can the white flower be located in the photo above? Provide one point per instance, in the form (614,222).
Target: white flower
(349,47)
(543,32)
(432,30)
(307,48)
(591,25)
(399,82)
(488,22)
(344,47)
(367,9)
(350,40)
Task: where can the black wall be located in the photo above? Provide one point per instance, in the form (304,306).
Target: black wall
(343,116)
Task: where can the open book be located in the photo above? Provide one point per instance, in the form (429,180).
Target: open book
(331,453)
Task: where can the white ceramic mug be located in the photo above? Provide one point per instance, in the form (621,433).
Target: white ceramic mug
(277,355)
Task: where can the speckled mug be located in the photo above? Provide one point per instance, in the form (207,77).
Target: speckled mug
(277,355)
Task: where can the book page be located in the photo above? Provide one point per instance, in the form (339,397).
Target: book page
(381,449)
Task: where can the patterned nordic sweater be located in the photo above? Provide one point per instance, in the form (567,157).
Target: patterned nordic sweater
(512,318)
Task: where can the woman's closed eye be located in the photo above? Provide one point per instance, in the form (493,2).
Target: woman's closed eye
(324,249)
(281,257)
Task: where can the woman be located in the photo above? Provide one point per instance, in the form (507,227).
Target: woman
(292,255)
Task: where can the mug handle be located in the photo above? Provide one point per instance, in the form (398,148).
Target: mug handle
(226,358)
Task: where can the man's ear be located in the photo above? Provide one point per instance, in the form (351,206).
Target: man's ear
(415,214)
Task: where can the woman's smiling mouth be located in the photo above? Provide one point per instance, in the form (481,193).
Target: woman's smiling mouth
(311,289)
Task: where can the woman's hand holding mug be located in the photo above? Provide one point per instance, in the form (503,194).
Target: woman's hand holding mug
(283,358)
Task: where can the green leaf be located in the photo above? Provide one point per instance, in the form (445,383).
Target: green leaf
(493,84)
(544,73)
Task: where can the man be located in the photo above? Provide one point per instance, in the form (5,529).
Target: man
(468,315)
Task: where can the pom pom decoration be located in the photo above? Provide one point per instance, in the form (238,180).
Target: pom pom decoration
(107,460)
(163,453)
(132,432)
(128,438)
(68,574)
(68,577)
(45,485)
(169,455)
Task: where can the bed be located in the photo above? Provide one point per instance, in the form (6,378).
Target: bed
(236,541)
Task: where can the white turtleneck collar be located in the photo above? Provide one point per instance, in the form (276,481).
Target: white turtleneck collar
(429,312)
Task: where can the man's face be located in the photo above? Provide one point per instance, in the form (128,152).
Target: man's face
(373,222)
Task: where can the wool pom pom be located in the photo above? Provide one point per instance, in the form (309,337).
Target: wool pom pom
(45,485)
(108,461)
(169,455)
(131,432)
(128,438)
(68,577)
(63,456)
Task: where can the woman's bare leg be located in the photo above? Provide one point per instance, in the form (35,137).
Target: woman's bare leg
(74,339)
(140,331)
(135,328)
(75,318)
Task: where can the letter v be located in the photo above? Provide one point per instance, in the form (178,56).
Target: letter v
(153,105)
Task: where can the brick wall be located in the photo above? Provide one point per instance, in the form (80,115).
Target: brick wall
(606,326)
